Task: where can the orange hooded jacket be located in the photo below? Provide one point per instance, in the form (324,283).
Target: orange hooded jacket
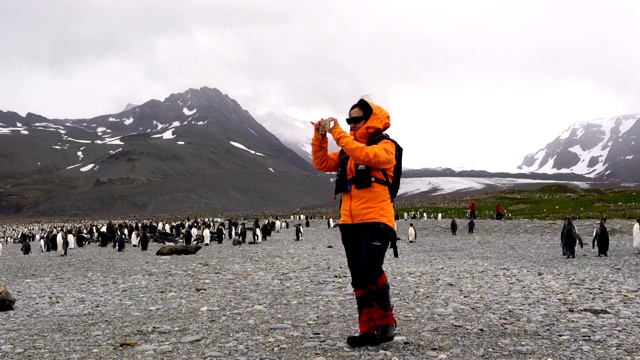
(372,204)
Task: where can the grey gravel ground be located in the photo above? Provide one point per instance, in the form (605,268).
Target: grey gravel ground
(504,292)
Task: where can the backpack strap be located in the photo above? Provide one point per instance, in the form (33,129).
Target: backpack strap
(376,138)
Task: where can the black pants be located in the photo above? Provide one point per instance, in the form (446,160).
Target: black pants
(365,246)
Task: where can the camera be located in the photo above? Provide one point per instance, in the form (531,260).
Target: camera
(325,125)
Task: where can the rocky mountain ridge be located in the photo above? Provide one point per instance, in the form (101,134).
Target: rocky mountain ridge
(194,152)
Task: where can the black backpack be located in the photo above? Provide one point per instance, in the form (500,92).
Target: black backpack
(342,183)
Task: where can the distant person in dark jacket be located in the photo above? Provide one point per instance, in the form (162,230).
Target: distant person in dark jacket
(472,209)
(499,211)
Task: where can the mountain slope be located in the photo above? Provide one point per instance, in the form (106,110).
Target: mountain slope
(603,149)
(296,134)
(195,152)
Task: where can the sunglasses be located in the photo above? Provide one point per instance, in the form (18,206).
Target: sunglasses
(356,119)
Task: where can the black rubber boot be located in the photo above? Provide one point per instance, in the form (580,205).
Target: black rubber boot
(386,333)
(363,339)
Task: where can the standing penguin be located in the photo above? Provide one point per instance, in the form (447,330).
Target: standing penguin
(564,228)
(570,238)
(471,225)
(220,233)
(0,248)
(26,248)
(71,239)
(120,238)
(47,241)
(454,226)
(299,232)
(601,238)
(188,237)
(257,236)
(306,223)
(636,235)
(62,251)
(65,244)
(411,233)
(242,233)
(206,235)
(144,240)
(134,238)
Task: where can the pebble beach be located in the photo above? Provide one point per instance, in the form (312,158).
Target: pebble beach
(503,292)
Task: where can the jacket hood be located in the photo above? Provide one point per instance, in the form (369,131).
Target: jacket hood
(379,121)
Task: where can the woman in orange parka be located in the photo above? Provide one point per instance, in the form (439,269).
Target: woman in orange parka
(367,222)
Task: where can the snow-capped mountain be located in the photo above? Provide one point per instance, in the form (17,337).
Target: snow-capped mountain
(604,149)
(294,133)
(194,152)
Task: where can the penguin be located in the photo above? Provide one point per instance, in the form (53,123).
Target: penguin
(278,226)
(265,231)
(144,241)
(206,234)
(470,225)
(62,251)
(601,238)
(42,244)
(65,245)
(411,233)
(242,233)
(81,239)
(299,232)
(47,241)
(194,232)
(636,236)
(564,228)
(306,223)
(0,248)
(230,232)
(134,239)
(570,238)
(454,227)
(220,233)
(71,240)
(257,236)
(330,223)
(120,238)
(26,248)
(188,237)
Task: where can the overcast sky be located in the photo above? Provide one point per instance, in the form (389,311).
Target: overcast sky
(468,84)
